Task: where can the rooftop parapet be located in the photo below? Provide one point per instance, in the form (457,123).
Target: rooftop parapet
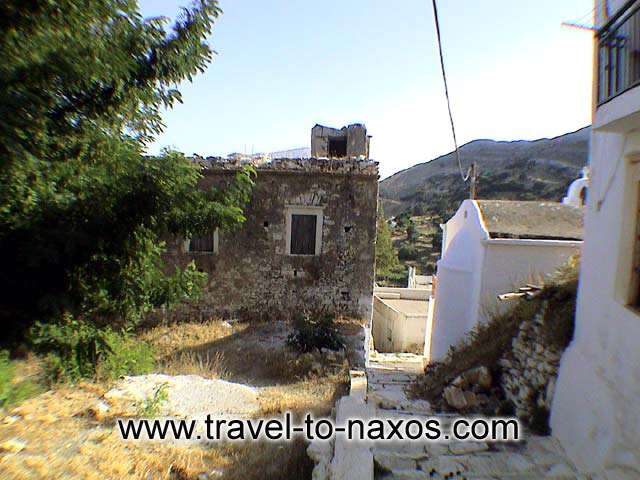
(317,165)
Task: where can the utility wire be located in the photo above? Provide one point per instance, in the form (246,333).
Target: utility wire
(446,93)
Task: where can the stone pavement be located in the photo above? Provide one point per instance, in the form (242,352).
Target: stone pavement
(388,376)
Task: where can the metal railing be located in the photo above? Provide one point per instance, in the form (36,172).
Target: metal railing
(619,53)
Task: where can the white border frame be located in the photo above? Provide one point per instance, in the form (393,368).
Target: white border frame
(304,210)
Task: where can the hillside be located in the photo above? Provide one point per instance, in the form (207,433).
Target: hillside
(519,170)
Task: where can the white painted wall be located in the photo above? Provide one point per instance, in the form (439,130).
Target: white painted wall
(596,408)
(508,264)
(397,331)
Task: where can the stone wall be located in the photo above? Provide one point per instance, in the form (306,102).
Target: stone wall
(530,369)
(354,136)
(253,276)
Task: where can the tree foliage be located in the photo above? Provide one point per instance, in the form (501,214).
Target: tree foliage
(82,210)
(386,254)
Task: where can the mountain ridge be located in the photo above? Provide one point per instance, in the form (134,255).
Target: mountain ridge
(538,169)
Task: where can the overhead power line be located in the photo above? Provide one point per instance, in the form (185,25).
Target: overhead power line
(446,93)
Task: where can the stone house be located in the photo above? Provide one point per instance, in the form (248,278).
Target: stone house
(490,246)
(308,241)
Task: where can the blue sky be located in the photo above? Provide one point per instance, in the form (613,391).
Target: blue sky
(283,66)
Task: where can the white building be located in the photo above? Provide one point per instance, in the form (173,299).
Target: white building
(596,407)
(488,248)
(578,190)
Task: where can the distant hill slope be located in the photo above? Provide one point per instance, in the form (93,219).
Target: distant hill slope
(519,170)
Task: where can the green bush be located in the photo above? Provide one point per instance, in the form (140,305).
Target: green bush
(12,392)
(76,349)
(315,330)
(127,356)
(408,252)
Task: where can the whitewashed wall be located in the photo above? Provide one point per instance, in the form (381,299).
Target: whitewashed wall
(396,331)
(596,408)
(509,264)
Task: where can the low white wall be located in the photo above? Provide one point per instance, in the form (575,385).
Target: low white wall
(395,331)
(404,293)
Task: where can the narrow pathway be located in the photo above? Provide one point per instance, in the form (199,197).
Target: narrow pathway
(388,377)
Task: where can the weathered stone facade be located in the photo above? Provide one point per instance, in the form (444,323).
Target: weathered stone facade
(253,275)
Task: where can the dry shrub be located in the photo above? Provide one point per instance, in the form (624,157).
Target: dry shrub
(315,395)
(63,441)
(205,364)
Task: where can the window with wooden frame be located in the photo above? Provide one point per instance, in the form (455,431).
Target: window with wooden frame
(304,230)
(207,243)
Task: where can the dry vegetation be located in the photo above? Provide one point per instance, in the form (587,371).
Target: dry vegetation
(64,438)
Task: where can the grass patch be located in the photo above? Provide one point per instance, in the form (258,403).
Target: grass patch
(13,389)
(74,349)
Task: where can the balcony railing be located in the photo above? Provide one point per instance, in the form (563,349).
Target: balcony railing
(619,53)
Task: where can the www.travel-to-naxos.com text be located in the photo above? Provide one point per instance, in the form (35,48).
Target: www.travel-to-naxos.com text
(213,428)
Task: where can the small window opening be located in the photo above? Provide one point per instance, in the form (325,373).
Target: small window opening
(266,224)
(337,147)
(201,244)
(303,234)
(207,243)
(348,228)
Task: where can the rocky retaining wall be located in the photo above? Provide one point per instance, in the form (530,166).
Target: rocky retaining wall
(531,368)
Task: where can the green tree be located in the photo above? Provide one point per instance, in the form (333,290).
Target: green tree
(412,231)
(82,210)
(386,254)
